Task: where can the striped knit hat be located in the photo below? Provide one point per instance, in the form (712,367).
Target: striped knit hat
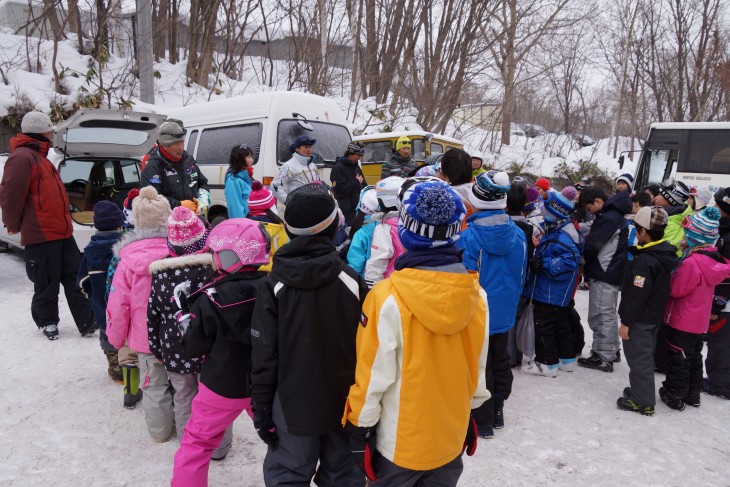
(430,216)
(489,191)
(557,207)
(260,199)
(186,232)
(702,228)
(675,192)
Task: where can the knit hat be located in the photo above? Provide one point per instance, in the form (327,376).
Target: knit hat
(675,192)
(702,228)
(150,210)
(722,199)
(260,199)
(543,183)
(489,191)
(532,196)
(651,217)
(36,123)
(177,121)
(107,216)
(628,179)
(558,207)
(170,133)
(402,142)
(311,209)
(186,232)
(299,141)
(569,192)
(356,148)
(127,206)
(702,197)
(430,215)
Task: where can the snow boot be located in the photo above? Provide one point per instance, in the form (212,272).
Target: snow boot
(132,394)
(627,404)
(617,360)
(708,389)
(567,364)
(537,368)
(114,370)
(692,399)
(486,432)
(596,362)
(671,399)
(499,418)
(51,332)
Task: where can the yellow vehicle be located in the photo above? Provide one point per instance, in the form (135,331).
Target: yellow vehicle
(379,148)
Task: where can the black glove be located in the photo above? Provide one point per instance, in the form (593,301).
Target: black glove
(263,423)
(362,446)
(472,434)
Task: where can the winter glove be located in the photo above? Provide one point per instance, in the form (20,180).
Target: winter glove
(190,205)
(203,202)
(263,423)
(472,434)
(362,446)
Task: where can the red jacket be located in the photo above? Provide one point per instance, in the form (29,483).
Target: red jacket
(32,196)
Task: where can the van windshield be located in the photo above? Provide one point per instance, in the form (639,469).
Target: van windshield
(332,140)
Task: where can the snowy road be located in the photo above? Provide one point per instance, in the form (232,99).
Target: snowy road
(62,423)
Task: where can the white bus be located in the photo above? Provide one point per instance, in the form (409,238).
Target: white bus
(696,153)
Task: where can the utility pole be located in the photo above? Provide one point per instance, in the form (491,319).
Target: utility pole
(143,41)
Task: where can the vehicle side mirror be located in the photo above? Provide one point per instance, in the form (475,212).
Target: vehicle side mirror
(305,125)
(428,136)
(621,161)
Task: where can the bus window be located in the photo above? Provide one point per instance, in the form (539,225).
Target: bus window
(418,150)
(709,152)
(377,151)
(661,165)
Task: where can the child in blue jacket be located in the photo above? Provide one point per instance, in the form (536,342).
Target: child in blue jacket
(550,285)
(496,248)
(238,181)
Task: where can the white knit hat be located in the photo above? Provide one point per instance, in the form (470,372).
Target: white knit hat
(36,123)
(150,209)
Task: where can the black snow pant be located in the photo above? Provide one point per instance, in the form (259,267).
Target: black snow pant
(499,380)
(717,364)
(515,355)
(48,266)
(661,352)
(391,475)
(639,352)
(553,338)
(684,368)
(576,328)
(297,460)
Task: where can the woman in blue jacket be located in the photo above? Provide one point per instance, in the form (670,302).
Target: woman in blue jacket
(238,181)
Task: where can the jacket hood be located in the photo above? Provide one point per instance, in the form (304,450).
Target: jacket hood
(191,260)
(136,235)
(452,300)
(712,270)
(22,140)
(99,249)
(242,175)
(346,161)
(664,252)
(140,254)
(676,210)
(306,263)
(620,202)
(494,230)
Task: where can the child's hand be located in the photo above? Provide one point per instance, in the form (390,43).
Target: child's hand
(623,332)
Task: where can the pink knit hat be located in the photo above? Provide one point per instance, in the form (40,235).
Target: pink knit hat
(186,233)
(260,199)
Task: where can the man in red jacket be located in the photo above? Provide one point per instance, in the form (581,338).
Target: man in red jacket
(35,204)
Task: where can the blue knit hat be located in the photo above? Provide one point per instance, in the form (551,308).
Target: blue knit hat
(430,215)
(557,207)
(489,191)
(702,228)
(107,216)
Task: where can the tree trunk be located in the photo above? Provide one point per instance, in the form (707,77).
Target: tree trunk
(101,42)
(174,23)
(74,19)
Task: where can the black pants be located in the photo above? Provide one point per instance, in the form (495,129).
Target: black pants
(718,355)
(684,367)
(499,379)
(50,265)
(576,328)
(391,475)
(661,353)
(553,338)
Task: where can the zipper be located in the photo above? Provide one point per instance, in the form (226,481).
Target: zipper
(38,193)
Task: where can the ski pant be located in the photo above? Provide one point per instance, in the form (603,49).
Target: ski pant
(208,434)
(576,328)
(684,368)
(553,339)
(515,355)
(499,380)
(391,475)
(603,319)
(639,352)
(185,387)
(49,265)
(293,461)
(661,352)
(717,364)
(156,398)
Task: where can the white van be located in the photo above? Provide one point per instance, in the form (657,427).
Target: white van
(266,122)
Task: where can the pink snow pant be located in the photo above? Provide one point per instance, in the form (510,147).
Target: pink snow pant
(211,415)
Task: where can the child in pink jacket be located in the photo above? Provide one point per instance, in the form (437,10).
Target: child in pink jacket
(127,305)
(687,316)
(385,246)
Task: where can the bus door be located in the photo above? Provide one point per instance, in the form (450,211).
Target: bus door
(659,157)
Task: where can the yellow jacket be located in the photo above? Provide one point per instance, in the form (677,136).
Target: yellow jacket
(421,355)
(278,238)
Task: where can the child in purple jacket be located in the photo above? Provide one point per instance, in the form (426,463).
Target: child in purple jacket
(687,316)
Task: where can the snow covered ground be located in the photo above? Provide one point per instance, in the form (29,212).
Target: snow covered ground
(62,423)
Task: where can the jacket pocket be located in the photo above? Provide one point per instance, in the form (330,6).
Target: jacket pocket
(37,271)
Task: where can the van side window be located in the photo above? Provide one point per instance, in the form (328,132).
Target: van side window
(130,172)
(190,146)
(418,150)
(436,148)
(377,151)
(215,144)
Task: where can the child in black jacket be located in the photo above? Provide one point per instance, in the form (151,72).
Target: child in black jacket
(644,297)
(220,329)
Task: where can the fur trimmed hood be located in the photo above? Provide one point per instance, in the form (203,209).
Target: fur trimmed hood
(192,260)
(137,235)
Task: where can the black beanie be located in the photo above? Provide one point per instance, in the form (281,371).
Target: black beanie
(311,210)
(722,199)
(107,216)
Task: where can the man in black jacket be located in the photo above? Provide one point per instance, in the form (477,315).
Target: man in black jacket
(174,173)
(303,337)
(605,256)
(347,180)
(644,297)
